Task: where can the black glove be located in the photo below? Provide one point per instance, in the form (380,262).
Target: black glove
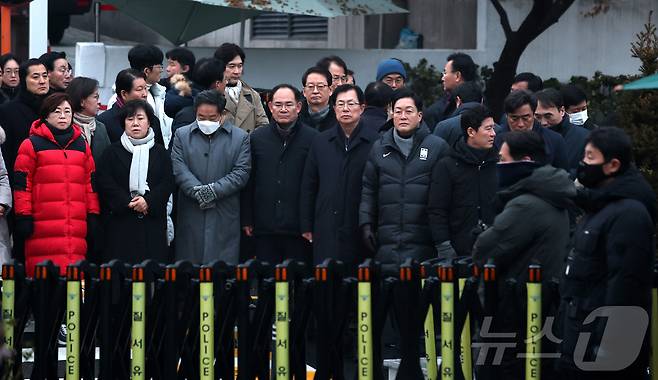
(24,226)
(94,238)
(369,238)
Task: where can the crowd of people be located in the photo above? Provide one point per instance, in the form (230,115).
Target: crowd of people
(197,166)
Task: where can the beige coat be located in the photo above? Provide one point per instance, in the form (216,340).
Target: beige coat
(248,114)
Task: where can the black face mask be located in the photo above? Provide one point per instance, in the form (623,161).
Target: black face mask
(590,175)
(513,172)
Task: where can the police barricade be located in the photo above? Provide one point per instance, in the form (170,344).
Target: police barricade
(183,321)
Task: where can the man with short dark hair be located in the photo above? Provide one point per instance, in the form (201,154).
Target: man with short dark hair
(396,186)
(148,59)
(610,265)
(532,227)
(575,104)
(463,186)
(527,81)
(59,70)
(520,109)
(317,113)
(270,202)
(468,95)
(336,67)
(391,71)
(459,68)
(550,114)
(378,97)
(208,75)
(211,162)
(331,188)
(242,102)
(180,60)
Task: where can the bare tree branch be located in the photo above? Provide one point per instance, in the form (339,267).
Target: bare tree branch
(504,20)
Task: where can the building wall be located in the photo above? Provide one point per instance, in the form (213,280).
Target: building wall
(574,46)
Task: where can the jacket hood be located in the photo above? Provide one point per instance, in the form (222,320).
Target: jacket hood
(39,128)
(463,152)
(630,185)
(548,183)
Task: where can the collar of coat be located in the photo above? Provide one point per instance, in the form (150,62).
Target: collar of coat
(358,135)
(227,126)
(419,135)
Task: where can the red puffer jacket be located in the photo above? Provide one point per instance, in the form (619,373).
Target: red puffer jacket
(53,185)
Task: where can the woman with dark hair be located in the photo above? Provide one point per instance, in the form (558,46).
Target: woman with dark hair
(130,84)
(9,65)
(55,204)
(135,179)
(84,103)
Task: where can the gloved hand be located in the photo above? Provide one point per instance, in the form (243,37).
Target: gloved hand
(205,195)
(369,238)
(444,250)
(24,226)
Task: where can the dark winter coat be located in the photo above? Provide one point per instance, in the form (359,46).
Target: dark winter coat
(374,118)
(331,192)
(395,194)
(328,122)
(16,118)
(53,186)
(270,202)
(533,226)
(461,194)
(450,129)
(574,138)
(439,110)
(8,93)
(131,236)
(186,116)
(556,148)
(611,263)
(114,124)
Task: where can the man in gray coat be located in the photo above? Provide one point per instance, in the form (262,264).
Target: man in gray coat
(211,161)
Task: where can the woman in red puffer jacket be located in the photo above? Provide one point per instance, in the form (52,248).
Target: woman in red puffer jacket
(54,199)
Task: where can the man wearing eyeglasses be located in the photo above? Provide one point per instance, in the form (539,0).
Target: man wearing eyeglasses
(317,89)
(392,72)
(520,109)
(270,202)
(331,187)
(550,113)
(59,72)
(338,69)
(396,184)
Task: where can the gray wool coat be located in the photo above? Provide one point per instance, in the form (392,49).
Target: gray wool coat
(223,160)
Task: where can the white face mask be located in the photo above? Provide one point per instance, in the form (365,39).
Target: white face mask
(578,118)
(208,127)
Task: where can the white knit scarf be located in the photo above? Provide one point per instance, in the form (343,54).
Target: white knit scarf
(87,124)
(234,91)
(140,162)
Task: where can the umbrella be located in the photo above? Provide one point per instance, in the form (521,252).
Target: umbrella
(647,83)
(182,20)
(322,8)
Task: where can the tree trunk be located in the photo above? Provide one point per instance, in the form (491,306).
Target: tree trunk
(503,75)
(543,14)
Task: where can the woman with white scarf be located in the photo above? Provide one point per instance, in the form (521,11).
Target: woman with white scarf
(135,180)
(84,102)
